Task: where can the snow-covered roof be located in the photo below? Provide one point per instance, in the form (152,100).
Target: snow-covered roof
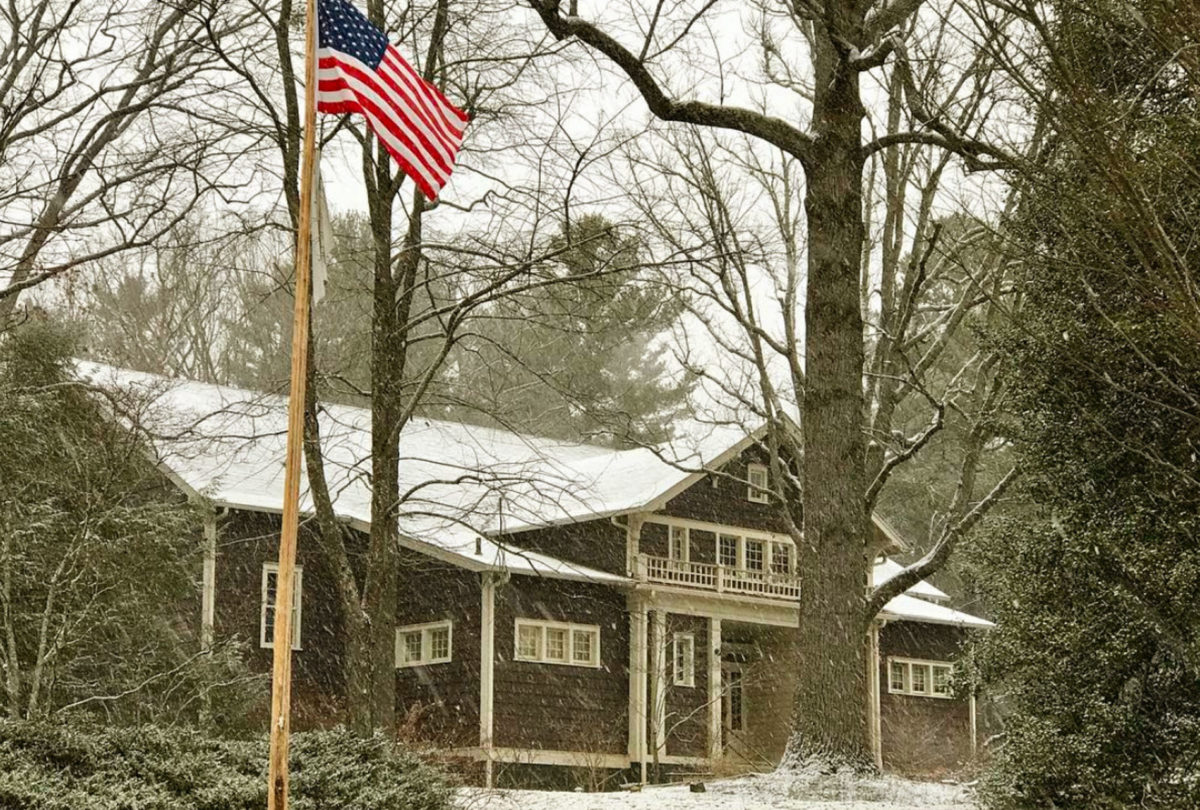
(910,608)
(888,568)
(227,445)
(462,486)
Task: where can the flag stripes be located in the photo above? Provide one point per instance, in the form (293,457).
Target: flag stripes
(359,72)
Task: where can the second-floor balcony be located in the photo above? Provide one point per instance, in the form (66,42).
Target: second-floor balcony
(718,578)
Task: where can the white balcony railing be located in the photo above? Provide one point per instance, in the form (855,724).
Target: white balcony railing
(717,578)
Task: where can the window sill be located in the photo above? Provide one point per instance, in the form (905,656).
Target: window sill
(518,659)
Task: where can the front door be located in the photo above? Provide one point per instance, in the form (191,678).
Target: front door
(733,708)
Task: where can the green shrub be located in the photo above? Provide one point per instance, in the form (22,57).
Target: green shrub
(59,766)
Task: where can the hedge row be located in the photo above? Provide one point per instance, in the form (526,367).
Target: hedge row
(56,766)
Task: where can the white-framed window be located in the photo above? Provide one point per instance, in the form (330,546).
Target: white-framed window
(266,622)
(727,550)
(759,489)
(679,548)
(756,554)
(557,643)
(684,656)
(421,644)
(913,676)
(781,558)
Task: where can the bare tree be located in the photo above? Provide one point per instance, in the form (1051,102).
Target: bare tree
(103,142)
(826,57)
(426,285)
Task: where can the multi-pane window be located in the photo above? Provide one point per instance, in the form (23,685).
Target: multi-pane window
(585,644)
(781,558)
(439,644)
(270,587)
(685,659)
(735,719)
(679,550)
(941,681)
(919,679)
(529,642)
(558,642)
(727,552)
(421,644)
(413,644)
(754,555)
(751,554)
(758,490)
(907,676)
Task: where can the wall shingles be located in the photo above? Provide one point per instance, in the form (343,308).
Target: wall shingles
(439,703)
(560,707)
(922,734)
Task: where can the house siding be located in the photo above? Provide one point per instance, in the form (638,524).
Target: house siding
(246,540)
(439,703)
(720,499)
(922,734)
(687,707)
(596,544)
(558,707)
(554,706)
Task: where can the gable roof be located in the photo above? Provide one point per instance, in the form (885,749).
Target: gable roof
(227,445)
(462,485)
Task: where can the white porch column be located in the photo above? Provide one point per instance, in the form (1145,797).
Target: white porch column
(208,596)
(637,678)
(487,661)
(633,537)
(658,682)
(874,724)
(715,720)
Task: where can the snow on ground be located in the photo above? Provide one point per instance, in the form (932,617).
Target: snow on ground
(778,791)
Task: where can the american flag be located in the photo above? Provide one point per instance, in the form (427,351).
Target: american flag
(359,72)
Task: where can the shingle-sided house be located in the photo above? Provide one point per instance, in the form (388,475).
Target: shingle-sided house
(566,605)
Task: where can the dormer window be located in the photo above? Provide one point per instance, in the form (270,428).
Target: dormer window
(759,488)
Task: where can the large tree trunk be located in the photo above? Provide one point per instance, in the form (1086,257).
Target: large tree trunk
(830,707)
(388,354)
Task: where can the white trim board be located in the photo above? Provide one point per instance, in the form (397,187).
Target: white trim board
(574,759)
(719,528)
(727,606)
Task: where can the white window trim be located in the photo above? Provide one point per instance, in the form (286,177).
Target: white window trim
(768,551)
(688,676)
(791,566)
(297,605)
(754,493)
(908,663)
(426,630)
(687,542)
(570,628)
(737,548)
(744,557)
(716,528)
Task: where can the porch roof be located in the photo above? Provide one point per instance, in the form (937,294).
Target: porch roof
(887,568)
(910,608)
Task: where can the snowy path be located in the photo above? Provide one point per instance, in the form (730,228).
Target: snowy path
(767,792)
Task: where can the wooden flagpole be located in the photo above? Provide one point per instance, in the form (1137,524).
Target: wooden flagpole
(281,678)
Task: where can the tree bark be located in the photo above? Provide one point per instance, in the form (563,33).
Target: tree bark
(830,718)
